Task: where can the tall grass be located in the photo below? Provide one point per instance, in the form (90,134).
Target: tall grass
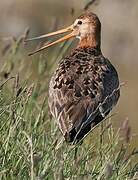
(31,146)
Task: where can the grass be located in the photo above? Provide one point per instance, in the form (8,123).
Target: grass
(31,146)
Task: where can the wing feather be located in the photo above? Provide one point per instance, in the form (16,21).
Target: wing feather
(78,89)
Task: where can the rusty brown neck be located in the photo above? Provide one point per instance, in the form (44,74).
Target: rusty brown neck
(90,40)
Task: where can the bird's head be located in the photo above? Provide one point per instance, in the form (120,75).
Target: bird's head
(86,27)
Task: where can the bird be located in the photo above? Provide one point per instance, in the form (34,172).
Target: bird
(85,86)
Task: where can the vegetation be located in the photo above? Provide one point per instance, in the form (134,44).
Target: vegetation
(31,146)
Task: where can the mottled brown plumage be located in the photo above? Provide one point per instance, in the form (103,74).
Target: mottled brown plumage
(85,86)
(81,82)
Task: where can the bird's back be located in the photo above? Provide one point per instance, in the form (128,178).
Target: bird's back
(82,92)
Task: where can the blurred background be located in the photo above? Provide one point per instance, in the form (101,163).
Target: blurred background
(119,20)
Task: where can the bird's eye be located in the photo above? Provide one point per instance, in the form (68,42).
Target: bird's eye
(79,22)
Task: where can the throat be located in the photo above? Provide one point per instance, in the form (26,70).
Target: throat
(89,41)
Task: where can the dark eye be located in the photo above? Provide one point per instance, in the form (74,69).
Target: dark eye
(79,22)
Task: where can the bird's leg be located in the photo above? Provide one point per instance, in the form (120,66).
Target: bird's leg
(76,157)
(75,154)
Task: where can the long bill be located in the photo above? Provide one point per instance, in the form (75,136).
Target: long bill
(70,28)
(55,42)
(72,34)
